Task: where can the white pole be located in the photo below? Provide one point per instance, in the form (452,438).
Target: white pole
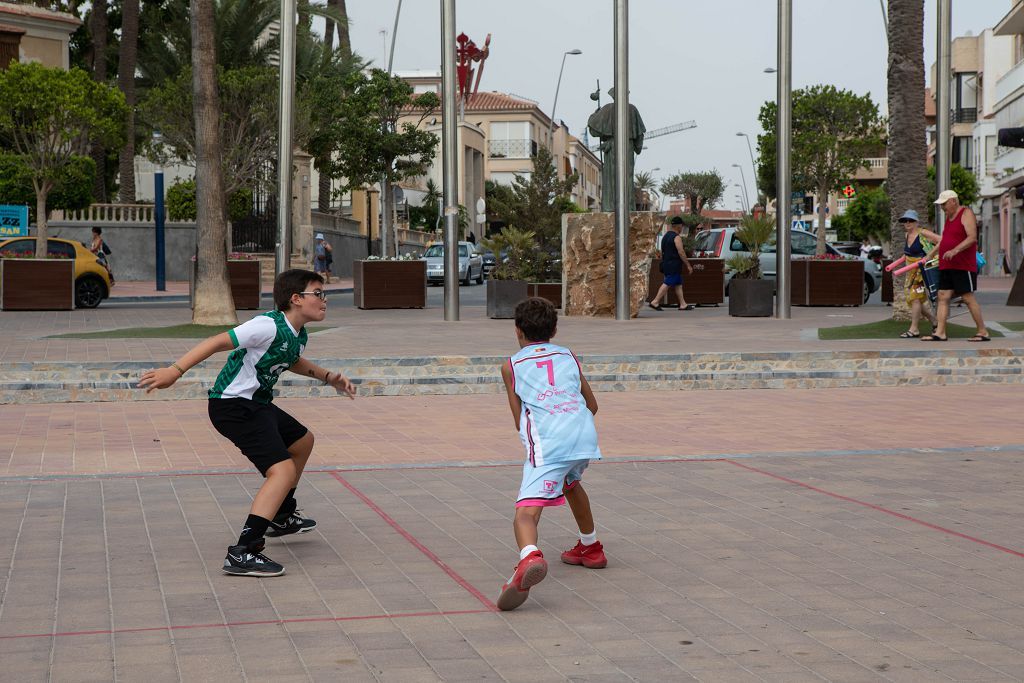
(623,202)
(286,96)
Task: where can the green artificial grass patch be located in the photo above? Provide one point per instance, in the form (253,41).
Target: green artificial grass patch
(889,329)
(1016,327)
(188,331)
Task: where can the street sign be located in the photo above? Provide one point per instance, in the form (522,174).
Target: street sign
(13,221)
(849,191)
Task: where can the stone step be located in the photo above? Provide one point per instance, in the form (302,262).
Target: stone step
(59,382)
(267,262)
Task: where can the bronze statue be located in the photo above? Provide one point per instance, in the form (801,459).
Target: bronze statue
(602,125)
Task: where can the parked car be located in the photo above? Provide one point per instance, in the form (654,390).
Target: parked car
(723,243)
(471,264)
(490,261)
(93,278)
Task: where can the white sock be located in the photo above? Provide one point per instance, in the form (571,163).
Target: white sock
(527,550)
(588,539)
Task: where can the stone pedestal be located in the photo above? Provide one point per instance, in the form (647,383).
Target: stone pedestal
(588,262)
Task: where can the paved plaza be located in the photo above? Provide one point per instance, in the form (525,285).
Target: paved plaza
(868,533)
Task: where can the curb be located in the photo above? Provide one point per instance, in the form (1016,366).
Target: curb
(184,298)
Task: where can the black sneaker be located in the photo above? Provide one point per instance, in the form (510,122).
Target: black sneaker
(249,560)
(295,523)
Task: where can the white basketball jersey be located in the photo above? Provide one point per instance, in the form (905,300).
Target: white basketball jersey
(555,424)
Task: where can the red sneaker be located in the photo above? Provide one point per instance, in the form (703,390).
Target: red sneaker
(590,556)
(530,571)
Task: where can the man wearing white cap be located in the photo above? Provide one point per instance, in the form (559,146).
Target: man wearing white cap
(321,257)
(958,265)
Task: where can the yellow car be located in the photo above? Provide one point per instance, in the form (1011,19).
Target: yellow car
(93,278)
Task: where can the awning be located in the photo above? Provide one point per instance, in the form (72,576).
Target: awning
(1013,23)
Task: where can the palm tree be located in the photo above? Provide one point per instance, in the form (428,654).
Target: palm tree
(214,304)
(907,183)
(127,58)
(645,184)
(99,28)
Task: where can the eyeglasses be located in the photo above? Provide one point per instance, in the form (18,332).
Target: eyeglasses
(318,293)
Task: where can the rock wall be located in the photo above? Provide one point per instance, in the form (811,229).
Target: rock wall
(588,262)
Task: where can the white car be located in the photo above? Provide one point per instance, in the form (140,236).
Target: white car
(723,243)
(471,264)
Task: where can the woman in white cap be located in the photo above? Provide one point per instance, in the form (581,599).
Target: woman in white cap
(321,258)
(919,244)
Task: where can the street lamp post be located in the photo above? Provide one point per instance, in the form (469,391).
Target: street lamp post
(449,161)
(554,106)
(158,217)
(943,71)
(743,177)
(783,169)
(753,166)
(286,123)
(622,149)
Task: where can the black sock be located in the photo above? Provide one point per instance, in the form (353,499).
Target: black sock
(288,506)
(254,529)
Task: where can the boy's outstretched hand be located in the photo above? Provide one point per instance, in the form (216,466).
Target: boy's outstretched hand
(158,379)
(343,385)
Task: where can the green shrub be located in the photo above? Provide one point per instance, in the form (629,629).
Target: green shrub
(181,202)
(72,191)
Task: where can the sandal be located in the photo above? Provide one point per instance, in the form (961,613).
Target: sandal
(979,338)
(657,308)
(688,307)
(934,337)
(910,335)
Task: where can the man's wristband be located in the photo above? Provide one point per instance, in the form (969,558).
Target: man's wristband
(178,368)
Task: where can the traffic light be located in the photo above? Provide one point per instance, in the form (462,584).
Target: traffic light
(1011,137)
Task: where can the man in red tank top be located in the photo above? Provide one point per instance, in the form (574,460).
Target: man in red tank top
(958,265)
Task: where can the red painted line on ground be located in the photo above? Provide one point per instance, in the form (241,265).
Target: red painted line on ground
(879,508)
(466,585)
(264,622)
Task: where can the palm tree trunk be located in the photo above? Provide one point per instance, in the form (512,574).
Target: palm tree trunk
(98,27)
(214,304)
(128,56)
(907,182)
(822,204)
(344,42)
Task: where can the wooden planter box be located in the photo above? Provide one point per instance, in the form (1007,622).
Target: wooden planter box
(37,284)
(705,285)
(552,291)
(820,282)
(504,295)
(389,284)
(887,290)
(246,284)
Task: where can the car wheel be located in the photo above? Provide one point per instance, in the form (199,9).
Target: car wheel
(89,291)
(867,289)
(469,277)
(480,276)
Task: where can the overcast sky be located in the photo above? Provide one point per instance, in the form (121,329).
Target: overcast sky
(700,60)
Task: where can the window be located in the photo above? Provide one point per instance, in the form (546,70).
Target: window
(511,139)
(803,244)
(503,178)
(18,248)
(463,250)
(434,251)
(962,153)
(55,249)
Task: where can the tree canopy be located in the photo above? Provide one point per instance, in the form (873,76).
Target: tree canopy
(50,118)
(702,189)
(834,131)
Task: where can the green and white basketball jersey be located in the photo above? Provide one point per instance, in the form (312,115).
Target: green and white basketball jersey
(265,347)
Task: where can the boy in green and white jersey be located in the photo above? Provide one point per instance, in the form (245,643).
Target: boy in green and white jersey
(242,410)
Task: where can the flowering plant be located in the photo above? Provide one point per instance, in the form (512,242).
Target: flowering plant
(832,257)
(400,257)
(240,256)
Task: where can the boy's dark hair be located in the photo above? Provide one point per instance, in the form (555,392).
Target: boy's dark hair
(291,282)
(97,230)
(537,318)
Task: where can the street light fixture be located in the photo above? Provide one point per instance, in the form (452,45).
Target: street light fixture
(753,165)
(743,177)
(770,70)
(554,106)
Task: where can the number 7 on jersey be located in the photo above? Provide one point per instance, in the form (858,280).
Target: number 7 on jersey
(550,366)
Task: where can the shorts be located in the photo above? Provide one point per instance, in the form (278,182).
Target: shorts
(262,432)
(960,281)
(673,280)
(545,485)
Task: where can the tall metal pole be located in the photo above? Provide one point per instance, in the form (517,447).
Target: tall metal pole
(943,74)
(784,139)
(158,214)
(622,148)
(753,166)
(286,94)
(449,156)
(746,193)
(554,107)
(385,184)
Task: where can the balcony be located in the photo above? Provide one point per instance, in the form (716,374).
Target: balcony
(965,115)
(878,169)
(1009,84)
(511,149)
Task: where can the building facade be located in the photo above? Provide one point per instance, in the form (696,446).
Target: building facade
(33,34)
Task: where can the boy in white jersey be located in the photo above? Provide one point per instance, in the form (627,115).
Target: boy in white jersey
(553,408)
(241,409)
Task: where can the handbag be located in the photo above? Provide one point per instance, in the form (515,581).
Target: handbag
(981,259)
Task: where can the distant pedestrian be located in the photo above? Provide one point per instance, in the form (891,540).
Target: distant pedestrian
(553,407)
(673,258)
(958,265)
(471,238)
(98,246)
(865,248)
(918,246)
(322,257)
(242,410)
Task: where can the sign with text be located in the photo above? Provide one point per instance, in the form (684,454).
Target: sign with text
(13,221)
